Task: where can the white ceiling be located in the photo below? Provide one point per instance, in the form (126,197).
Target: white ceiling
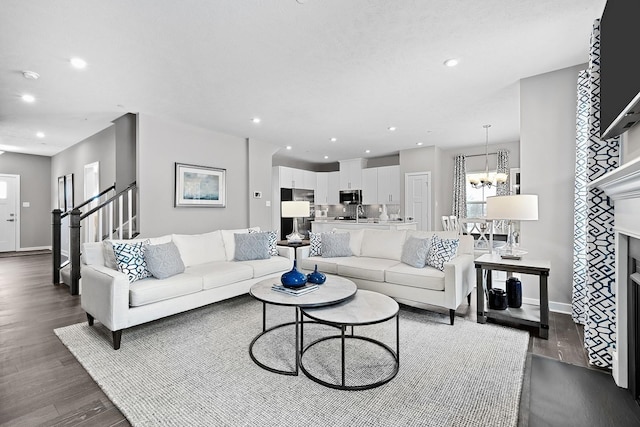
(310,69)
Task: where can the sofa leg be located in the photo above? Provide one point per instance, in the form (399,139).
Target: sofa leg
(90,319)
(469,299)
(117,336)
(452,316)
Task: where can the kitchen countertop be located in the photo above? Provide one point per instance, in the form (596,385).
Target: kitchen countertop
(362,221)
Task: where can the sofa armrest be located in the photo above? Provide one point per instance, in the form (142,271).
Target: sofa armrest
(458,279)
(105,296)
(303,252)
(286,251)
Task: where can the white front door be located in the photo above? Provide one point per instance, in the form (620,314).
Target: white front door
(418,199)
(9,203)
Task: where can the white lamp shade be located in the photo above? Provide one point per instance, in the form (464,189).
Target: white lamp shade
(519,207)
(296,209)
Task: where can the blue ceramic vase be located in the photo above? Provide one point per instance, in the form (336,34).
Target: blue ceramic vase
(293,278)
(316,277)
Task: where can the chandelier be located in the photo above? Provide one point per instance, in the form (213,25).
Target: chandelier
(487,180)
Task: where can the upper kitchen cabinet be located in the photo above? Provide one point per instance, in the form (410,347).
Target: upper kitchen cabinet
(296,178)
(327,192)
(388,184)
(370,186)
(351,174)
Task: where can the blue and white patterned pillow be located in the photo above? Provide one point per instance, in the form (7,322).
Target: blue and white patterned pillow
(315,244)
(130,259)
(273,240)
(441,251)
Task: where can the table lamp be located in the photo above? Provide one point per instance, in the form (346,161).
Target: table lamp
(518,207)
(295,210)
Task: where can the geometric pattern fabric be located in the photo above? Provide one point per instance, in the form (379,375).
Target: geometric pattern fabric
(130,259)
(441,251)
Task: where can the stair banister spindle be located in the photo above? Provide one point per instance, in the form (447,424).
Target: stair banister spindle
(110,220)
(130,212)
(120,199)
(100,235)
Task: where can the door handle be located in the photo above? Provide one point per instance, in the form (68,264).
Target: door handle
(11,220)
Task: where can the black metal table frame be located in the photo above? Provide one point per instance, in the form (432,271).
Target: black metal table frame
(343,337)
(298,326)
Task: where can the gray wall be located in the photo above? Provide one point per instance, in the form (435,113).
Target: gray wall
(35,178)
(161,143)
(125,150)
(547,132)
(424,159)
(100,147)
(260,174)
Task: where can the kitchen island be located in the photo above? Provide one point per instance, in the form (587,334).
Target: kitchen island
(324,226)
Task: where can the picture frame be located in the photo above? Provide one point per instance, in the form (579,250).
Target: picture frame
(61,199)
(68,191)
(200,186)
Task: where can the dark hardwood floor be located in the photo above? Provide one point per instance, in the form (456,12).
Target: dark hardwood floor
(41,383)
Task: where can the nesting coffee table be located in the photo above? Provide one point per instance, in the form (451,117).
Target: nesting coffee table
(335,290)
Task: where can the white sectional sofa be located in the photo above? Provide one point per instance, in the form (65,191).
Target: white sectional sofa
(211,274)
(376,265)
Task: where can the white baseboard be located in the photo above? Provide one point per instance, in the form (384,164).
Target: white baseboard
(34,248)
(557,307)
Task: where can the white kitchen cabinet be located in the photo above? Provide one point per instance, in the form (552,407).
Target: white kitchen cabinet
(322,188)
(351,174)
(370,186)
(388,185)
(296,178)
(285,177)
(333,188)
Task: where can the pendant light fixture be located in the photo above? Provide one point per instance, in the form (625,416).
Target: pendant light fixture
(486,180)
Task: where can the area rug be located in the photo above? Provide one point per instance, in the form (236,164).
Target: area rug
(194,369)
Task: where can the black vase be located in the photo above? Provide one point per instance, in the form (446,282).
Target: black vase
(514,292)
(497,299)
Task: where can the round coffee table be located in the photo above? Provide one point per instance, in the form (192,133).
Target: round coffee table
(365,308)
(335,290)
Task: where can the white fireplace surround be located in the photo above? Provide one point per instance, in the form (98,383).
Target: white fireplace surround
(622,185)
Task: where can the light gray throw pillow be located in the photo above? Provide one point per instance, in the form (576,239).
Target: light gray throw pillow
(335,245)
(414,252)
(250,246)
(163,260)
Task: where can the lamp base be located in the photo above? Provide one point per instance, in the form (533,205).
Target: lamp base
(294,238)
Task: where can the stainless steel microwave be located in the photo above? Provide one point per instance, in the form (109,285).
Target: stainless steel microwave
(351,197)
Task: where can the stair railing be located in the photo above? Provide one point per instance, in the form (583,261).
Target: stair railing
(116,224)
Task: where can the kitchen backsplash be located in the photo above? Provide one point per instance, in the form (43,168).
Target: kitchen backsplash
(370,211)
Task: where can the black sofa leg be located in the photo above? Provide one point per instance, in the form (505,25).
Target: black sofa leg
(452,316)
(90,319)
(469,299)
(117,336)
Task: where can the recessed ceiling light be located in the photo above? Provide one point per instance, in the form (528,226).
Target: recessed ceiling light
(78,63)
(31,75)
(326,157)
(367,151)
(289,147)
(28,98)
(1,153)
(419,143)
(40,134)
(451,62)
(256,120)
(392,128)
(334,139)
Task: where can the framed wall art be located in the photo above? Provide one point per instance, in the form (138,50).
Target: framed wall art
(61,198)
(68,191)
(200,186)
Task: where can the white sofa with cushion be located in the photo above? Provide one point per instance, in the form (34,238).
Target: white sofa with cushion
(376,264)
(207,271)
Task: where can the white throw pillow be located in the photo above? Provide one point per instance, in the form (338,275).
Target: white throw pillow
(385,244)
(200,248)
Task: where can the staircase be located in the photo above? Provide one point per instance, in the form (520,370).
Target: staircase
(107,215)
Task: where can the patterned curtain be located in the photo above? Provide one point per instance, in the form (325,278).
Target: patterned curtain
(459,208)
(503,167)
(594,303)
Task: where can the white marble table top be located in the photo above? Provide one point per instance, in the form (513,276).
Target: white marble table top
(334,290)
(366,307)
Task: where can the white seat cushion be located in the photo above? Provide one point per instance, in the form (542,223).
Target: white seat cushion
(262,267)
(426,278)
(220,273)
(365,268)
(385,244)
(150,290)
(325,265)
